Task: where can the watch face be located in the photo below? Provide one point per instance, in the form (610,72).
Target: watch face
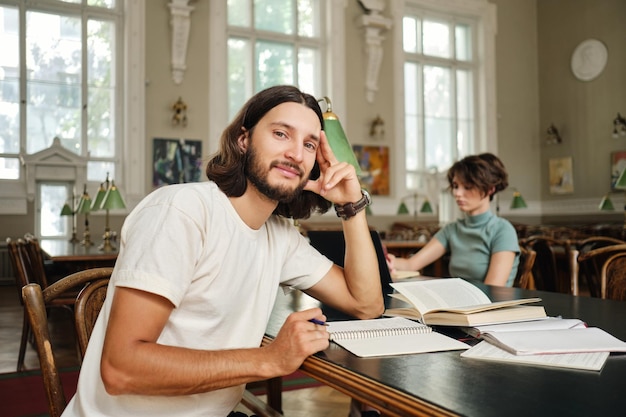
(368,198)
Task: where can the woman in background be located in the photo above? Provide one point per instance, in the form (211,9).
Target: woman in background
(482,246)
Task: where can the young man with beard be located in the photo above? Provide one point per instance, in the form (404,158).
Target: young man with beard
(200,264)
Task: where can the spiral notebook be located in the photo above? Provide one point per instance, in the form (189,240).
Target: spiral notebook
(389,336)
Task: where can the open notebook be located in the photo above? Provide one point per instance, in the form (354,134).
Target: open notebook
(331,243)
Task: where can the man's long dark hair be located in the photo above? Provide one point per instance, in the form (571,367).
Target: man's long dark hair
(227,167)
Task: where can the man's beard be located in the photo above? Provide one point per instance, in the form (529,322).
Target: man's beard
(257,175)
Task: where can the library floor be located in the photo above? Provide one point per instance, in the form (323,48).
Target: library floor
(310,402)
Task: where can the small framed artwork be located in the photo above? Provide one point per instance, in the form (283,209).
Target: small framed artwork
(618,164)
(561,175)
(374,163)
(176,161)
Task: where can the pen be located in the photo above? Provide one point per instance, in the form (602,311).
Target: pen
(316,321)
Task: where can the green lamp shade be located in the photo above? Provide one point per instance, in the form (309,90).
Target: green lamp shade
(518,201)
(338,141)
(606,204)
(620,184)
(66,210)
(113,199)
(84,205)
(95,206)
(426,207)
(403,209)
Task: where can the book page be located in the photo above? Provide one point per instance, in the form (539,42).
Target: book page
(441,293)
(593,361)
(534,342)
(549,323)
(401,345)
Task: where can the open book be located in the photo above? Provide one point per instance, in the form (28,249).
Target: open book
(548,323)
(456,302)
(389,336)
(576,340)
(590,361)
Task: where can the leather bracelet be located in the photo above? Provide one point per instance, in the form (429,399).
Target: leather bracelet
(349,210)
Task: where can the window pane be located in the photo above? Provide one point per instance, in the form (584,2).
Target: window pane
(308,71)
(52,197)
(463,42)
(436,39)
(309,18)
(440,148)
(101,91)
(465,112)
(9,83)
(239,74)
(53,64)
(9,168)
(412,117)
(409,31)
(102,3)
(97,171)
(274,64)
(274,16)
(239,13)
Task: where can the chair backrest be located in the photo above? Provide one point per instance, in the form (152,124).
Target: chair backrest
(332,244)
(524,276)
(613,277)
(35,300)
(590,266)
(35,263)
(555,267)
(18,264)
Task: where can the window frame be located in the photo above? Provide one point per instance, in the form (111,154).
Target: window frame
(129,158)
(483,14)
(332,61)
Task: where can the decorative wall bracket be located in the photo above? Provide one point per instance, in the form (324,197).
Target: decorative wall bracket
(375,24)
(181,23)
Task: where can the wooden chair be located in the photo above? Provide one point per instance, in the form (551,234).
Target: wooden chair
(28,268)
(613,284)
(88,303)
(524,276)
(555,268)
(590,266)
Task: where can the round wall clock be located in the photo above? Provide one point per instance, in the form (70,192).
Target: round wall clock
(589,59)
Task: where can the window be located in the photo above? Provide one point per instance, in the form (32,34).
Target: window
(273,42)
(447,56)
(59,78)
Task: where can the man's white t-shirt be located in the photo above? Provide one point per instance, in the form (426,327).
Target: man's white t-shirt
(188,244)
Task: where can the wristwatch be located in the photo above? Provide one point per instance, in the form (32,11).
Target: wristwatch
(351,209)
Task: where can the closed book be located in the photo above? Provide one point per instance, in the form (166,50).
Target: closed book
(456,302)
(389,336)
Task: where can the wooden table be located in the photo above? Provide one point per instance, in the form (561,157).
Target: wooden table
(444,384)
(66,258)
(406,248)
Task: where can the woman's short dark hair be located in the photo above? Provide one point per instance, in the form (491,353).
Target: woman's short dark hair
(227,167)
(484,172)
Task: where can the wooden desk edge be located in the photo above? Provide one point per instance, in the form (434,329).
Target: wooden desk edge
(386,399)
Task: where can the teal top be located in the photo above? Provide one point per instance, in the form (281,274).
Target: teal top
(471,241)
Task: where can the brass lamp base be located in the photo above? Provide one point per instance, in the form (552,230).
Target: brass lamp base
(106,245)
(86,239)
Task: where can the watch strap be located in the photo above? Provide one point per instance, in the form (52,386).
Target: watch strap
(349,210)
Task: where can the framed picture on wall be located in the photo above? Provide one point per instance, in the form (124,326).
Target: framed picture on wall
(561,175)
(374,163)
(176,161)
(618,164)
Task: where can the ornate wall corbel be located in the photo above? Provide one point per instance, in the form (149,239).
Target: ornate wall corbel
(375,25)
(181,23)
